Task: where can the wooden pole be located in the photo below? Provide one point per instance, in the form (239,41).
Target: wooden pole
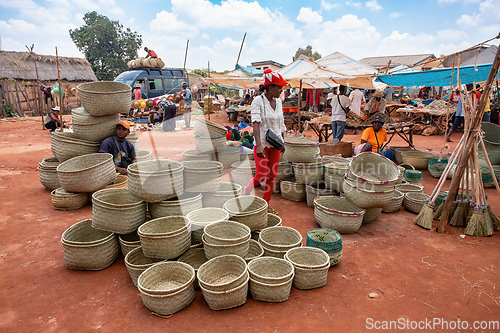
(208,88)
(7,93)
(24,95)
(39,95)
(60,91)
(299,106)
(185,59)
(241,48)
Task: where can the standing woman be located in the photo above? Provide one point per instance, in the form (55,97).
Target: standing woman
(267,114)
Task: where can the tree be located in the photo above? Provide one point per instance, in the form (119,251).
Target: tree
(215,89)
(307,52)
(106,44)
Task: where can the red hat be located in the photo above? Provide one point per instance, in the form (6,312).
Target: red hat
(271,77)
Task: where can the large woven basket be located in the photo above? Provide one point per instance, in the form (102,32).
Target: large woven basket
(156,180)
(223,273)
(227,299)
(177,206)
(117,210)
(395,204)
(165,237)
(134,140)
(225,192)
(292,190)
(195,155)
(334,175)
(300,150)
(87,173)
(199,218)
(47,172)
(249,210)
(285,169)
(338,214)
(366,198)
(226,232)
(414,201)
(309,173)
(270,279)
(209,145)
(121,181)
(63,200)
(90,128)
(66,145)
(86,248)
(280,239)
(214,250)
(371,214)
(105,97)
(143,155)
(128,242)
(227,156)
(207,128)
(195,258)
(373,168)
(311,267)
(255,250)
(491,136)
(397,154)
(316,190)
(242,172)
(202,176)
(419,159)
(136,263)
(328,240)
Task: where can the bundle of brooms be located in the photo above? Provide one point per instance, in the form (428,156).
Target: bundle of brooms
(465,205)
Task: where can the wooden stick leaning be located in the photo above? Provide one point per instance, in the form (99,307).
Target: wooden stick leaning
(489,164)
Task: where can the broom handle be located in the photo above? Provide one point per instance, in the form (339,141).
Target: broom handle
(447,170)
(489,163)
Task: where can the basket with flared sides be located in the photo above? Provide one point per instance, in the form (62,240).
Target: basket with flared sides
(249,210)
(328,240)
(202,217)
(204,127)
(90,128)
(338,214)
(129,241)
(309,173)
(270,279)
(405,188)
(225,192)
(194,257)
(105,97)
(301,150)
(63,200)
(292,190)
(47,171)
(227,156)
(414,201)
(316,190)
(176,206)
(242,172)
(395,204)
(280,238)
(366,198)
(202,176)
(66,145)
(374,169)
(334,174)
(371,214)
(255,250)
(195,155)
(311,267)
(136,263)
(418,159)
(209,144)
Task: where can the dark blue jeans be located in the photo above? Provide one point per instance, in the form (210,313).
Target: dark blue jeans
(338,128)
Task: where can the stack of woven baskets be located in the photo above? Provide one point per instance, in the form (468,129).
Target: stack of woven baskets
(209,137)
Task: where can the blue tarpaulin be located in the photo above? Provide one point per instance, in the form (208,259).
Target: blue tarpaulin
(437,77)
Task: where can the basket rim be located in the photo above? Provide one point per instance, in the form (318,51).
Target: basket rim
(137,249)
(270,278)
(223,257)
(256,244)
(225,292)
(100,202)
(232,223)
(385,159)
(107,157)
(335,232)
(206,243)
(275,285)
(170,291)
(209,137)
(306,142)
(350,183)
(91,243)
(180,230)
(318,205)
(276,247)
(308,248)
(246,197)
(83,87)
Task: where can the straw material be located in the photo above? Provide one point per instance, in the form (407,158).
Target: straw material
(47,171)
(338,214)
(213,250)
(405,188)
(194,257)
(270,279)
(274,293)
(195,155)
(227,156)
(199,218)
(311,267)
(128,242)
(336,158)
(255,250)
(334,174)
(134,140)
(87,173)
(316,190)
(228,299)
(207,128)
(365,198)
(285,169)
(208,144)
(413,175)
(371,214)
(202,176)
(243,172)
(247,156)
(249,210)
(301,150)
(292,190)
(165,237)
(491,136)
(86,248)
(157,180)
(373,168)
(328,240)
(225,192)
(121,181)
(398,154)
(395,204)
(62,200)
(414,201)
(280,238)
(226,232)
(309,173)
(273,220)
(401,174)
(90,128)
(105,97)
(223,273)
(166,278)
(143,155)
(136,263)
(418,159)
(177,206)
(66,145)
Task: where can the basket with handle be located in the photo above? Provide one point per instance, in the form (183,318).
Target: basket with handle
(194,257)
(225,192)
(316,190)
(414,201)
(227,156)
(129,241)
(199,218)
(202,176)
(366,198)
(395,204)
(90,128)
(292,190)
(418,159)
(47,172)
(209,144)
(63,200)
(105,97)
(195,155)
(300,150)
(309,173)
(66,145)
(176,206)
(311,267)
(136,263)
(249,210)
(207,128)
(328,240)
(338,214)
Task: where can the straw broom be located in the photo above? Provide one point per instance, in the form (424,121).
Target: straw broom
(494,219)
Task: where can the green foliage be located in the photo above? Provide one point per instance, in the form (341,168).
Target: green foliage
(215,89)
(308,52)
(106,44)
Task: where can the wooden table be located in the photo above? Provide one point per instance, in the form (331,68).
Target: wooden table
(403,130)
(389,108)
(426,116)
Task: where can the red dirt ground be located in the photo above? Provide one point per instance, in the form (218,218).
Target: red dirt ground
(417,274)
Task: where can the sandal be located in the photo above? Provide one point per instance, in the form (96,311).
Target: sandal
(272,211)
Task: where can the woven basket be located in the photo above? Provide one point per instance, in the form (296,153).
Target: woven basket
(309,173)
(328,240)
(228,299)
(134,140)
(316,190)
(491,137)
(117,210)
(105,97)
(285,169)
(249,210)
(397,154)
(273,220)
(213,250)
(195,258)
(177,206)
(157,180)
(255,250)
(311,267)
(371,214)
(270,279)
(291,190)
(301,150)
(66,145)
(203,127)
(280,238)
(227,156)
(223,273)
(202,176)
(195,155)
(401,174)
(143,155)
(273,293)
(414,201)
(128,242)
(87,173)
(373,168)
(136,263)
(199,218)
(47,172)
(247,156)
(334,175)
(365,198)
(242,172)
(405,188)
(165,237)
(225,192)
(395,204)
(90,128)
(208,144)
(418,159)
(336,159)
(62,200)
(226,232)
(338,214)
(437,169)
(121,181)
(86,248)
(413,175)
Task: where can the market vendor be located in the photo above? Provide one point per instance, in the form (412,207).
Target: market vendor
(372,138)
(122,150)
(51,120)
(375,104)
(246,101)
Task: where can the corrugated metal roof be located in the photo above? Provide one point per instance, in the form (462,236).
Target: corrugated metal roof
(341,63)
(407,60)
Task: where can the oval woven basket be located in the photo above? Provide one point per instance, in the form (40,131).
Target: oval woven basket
(47,172)
(66,145)
(300,150)
(373,168)
(136,263)
(270,270)
(334,175)
(226,232)
(195,155)
(202,176)
(86,248)
(255,250)
(117,210)
(292,190)
(365,198)
(418,159)
(199,218)
(208,144)
(270,292)
(309,173)
(90,128)
(405,188)
(223,273)
(227,156)
(338,214)
(414,201)
(328,240)
(156,180)
(177,206)
(121,181)
(128,242)
(243,171)
(371,214)
(437,169)
(166,305)
(207,128)
(397,154)
(105,97)
(273,220)
(395,204)
(87,173)
(280,238)
(214,250)
(308,273)
(225,192)
(227,299)
(63,200)
(249,210)
(166,278)
(195,258)
(316,190)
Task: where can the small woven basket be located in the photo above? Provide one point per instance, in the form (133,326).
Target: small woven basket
(214,250)
(228,299)
(128,242)
(255,250)
(273,220)
(366,198)
(177,206)
(226,232)
(47,171)
(316,190)
(418,159)
(165,237)
(249,210)
(270,279)
(194,257)
(395,204)
(227,156)
(209,144)
(328,240)
(301,150)
(309,173)
(195,155)
(334,174)
(66,145)
(105,97)
(199,218)
(413,175)
(292,190)
(414,201)
(225,192)
(136,263)
(143,155)
(223,273)
(280,238)
(202,176)
(311,267)
(338,214)
(63,200)
(90,128)
(405,188)
(207,128)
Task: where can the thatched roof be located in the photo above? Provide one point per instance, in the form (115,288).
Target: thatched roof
(20,65)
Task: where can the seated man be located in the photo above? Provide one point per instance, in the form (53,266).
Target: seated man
(375,104)
(122,150)
(372,137)
(246,101)
(51,120)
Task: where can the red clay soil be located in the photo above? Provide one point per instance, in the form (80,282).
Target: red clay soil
(417,274)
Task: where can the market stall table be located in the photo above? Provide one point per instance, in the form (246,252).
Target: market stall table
(425,115)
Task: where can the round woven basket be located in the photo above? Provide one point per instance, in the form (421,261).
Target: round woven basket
(66,145)
(273,220)
(437,169)
(242,172)
(86,248)
(405,188)
(90,128)
(128,242)
(316,190)
(47,172)
(309,173)
(143,155)
(270,279)
(414,201)
(121,181)
(334,174)
(134,140)
(373,168)
(156,180)
(365,198)
(249,210)
(227,299)
(195,258)
(63,200)
(225,192)
(247,156)
(202,176)
(227,156)
(199,218)
(105,97)
(300,150)
(311,267)
(371,214)
(195,155)
(292,190)
(401,174)
(413,175)
(255,250)
(418,159)
(177,206)
(117,210)
(285,169)
(223,273)
(328,240)
(87,173)
(338,214)
(214,250)
(203,127)
(395,204)
(226,232)
(136,263)
(280,238)
(208,144)
(165,237)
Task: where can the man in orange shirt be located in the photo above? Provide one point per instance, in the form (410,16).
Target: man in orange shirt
(372,137)
(151,53)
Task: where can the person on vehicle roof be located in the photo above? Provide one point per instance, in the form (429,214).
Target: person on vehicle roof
(150,52)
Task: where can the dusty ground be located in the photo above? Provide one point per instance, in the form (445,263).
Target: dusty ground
(417,274)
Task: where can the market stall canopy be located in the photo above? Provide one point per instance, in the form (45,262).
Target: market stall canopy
(341,63)
(438,77)
(235,82)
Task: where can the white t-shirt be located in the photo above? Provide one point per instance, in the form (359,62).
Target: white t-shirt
(338,114)
(263,113)
(357,98)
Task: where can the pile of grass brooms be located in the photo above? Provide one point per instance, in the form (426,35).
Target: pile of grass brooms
(465,204)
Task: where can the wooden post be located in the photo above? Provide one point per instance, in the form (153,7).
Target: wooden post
(60,92)
(24,95)
(185,59)
(299,106)
(241,48)
(208,89)
(6,93)
(39,95)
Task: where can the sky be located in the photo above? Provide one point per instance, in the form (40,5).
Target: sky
(275,29)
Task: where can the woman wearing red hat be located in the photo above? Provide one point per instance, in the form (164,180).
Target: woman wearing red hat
(267,114)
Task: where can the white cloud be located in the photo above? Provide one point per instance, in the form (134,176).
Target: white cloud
(395,15)
(354,4)
(205,36)
(169,24)
(328,5)
(405,43)
(447,1)
(309,16)
(373,5)
(451,35)
(468,20)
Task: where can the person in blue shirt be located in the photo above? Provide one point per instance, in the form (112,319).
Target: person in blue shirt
(117,145)
(188,100)
(459,120)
